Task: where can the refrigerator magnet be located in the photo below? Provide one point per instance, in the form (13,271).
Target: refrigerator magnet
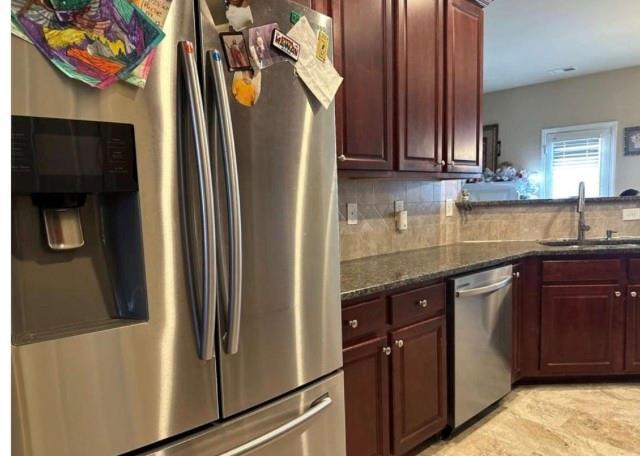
(238,14)
(246,87)
(286,45)
(322,46)
(235,51)
(261,53)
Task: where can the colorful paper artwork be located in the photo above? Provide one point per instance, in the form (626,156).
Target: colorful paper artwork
(98,43)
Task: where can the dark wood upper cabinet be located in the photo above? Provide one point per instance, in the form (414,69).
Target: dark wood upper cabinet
(366,389)
(633,330)
(464,43)
(420,71)
(582,329)
(363,54)
(419,366)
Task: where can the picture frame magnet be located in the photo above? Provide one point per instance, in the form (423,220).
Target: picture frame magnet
(285,45)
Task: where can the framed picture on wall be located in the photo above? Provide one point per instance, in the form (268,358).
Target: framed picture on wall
(491,146)
(632,141)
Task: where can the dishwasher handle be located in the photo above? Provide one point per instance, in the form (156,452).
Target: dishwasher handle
(484,290)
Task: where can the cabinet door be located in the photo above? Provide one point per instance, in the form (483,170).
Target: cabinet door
(633,330)
(420,70)
(366,391)
(516,312)
(363,54)
(419,401)
(464,86)
(582,329)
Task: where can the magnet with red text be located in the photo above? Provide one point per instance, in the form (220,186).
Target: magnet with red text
(285,45)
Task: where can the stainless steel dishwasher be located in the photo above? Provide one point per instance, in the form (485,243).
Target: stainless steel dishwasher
(481,328)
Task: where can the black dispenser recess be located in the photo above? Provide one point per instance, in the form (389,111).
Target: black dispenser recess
(77,257)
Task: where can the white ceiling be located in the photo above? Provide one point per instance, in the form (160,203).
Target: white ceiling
(525,39)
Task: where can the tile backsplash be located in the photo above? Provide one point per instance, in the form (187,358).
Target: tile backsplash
(376,232)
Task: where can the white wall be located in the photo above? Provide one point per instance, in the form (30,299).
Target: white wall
(523,112)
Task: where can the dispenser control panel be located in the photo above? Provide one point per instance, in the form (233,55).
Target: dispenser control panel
(71,156)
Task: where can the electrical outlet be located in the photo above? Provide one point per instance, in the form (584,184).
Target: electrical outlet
(352,213)
(631,214)
(448,208)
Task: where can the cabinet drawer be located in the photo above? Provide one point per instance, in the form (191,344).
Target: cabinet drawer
(634,270)
(581,270)
(364,319)
(416,305)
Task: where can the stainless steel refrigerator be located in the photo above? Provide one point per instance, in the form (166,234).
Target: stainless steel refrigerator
(239,351)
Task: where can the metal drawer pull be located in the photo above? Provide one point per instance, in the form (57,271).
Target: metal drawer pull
(484,290)
(270,436)
(386,350)
(423,303)
(618,294)
(516,275)
(634,294)
(353,323)
(400,343)
(342,157)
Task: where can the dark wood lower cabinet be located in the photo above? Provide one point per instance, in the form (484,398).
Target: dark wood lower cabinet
(516,309)
(419,404)
(366,389)
(582,329)
(633,330)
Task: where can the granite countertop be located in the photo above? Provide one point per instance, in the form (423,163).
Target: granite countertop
(380,273)
(537,202)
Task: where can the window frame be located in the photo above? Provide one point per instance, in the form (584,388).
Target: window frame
(608,158)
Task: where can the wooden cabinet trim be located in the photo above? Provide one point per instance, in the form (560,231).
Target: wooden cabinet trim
(632,339)
(372,349)
(593,270)
(364,159)
(405,439)
(429,53)
(585,347)
(471,10)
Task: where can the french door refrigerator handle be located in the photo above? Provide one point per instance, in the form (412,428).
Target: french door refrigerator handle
(484,290)
(280,431)
(230,164)
(206,206)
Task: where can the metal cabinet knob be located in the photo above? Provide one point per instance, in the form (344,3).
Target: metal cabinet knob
(386,350)
(634,294)
(423,303)
(516,275)
(353,323)
(442,163)
(342,157)
(618,294)
(400,343)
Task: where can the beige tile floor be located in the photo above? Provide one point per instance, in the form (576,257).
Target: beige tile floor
(564,420)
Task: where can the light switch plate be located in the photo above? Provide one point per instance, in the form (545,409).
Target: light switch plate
(448,208)
(631,214)
(352,213)
(399,206)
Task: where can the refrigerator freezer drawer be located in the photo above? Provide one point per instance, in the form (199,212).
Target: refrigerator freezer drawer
(306,423)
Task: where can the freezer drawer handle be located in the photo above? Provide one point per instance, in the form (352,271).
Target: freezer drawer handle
(317,408)
(189,75)
(230,164)
(484,290)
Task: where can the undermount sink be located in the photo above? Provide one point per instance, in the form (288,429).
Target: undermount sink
(590,242)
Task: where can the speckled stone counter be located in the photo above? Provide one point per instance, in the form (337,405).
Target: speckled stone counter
(375,274)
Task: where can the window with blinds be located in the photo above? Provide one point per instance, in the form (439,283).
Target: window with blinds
(578,154)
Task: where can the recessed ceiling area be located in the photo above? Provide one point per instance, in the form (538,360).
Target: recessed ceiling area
(529,42)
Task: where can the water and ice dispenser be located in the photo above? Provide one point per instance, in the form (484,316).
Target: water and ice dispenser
(77,261)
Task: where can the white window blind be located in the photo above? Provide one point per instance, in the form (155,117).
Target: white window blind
(578,155)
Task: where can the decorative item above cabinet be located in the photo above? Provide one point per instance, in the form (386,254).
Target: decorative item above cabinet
(410,104)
